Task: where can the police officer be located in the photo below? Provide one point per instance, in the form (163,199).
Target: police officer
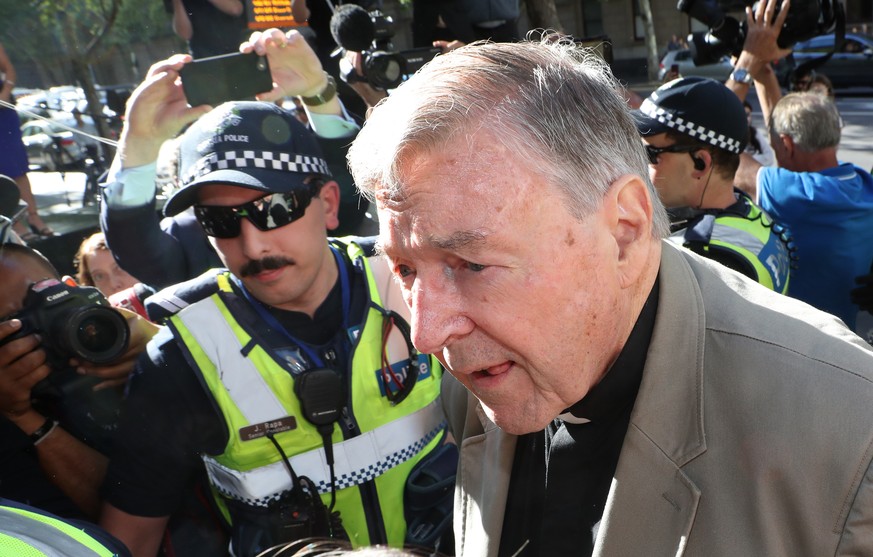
(287,375)
(694,130)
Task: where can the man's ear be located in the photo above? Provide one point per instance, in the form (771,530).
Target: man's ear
(629,210)
(330,200)
(788,144)
(702,160)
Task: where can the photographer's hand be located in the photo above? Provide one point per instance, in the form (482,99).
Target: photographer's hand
(764,26)
(448,46)
(117,373)
(22,365)
(370,94)
(156,111)
(759,50)
(295,68)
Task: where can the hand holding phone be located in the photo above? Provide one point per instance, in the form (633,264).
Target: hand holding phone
(229,77)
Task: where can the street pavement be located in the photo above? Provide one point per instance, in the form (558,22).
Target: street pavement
(59,198)
(856,145)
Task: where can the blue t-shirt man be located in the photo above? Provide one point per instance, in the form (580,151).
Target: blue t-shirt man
(830,215)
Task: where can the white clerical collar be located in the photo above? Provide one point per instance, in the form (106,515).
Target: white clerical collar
(569,418)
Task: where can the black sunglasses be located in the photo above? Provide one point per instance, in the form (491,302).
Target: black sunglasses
(653,151)
(272,211)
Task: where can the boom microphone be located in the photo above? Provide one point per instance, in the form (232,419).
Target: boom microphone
(352,28)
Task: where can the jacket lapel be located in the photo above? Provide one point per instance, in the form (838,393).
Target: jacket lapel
(666,429)
(480,493)
(651,503)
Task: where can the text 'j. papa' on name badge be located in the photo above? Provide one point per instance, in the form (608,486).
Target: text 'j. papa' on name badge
(256,431)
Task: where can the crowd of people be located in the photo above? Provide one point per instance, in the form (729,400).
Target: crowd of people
(572,335)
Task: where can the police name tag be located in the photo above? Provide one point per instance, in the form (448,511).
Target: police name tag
(257,431)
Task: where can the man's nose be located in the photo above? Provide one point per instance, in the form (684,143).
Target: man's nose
(438,318)
(252,240)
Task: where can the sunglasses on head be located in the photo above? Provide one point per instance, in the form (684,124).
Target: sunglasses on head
(272,211)
(652,152)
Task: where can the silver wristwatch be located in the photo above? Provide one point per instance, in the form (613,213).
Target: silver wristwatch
(741,75)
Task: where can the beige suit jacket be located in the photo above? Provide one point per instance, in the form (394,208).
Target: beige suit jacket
(752,433)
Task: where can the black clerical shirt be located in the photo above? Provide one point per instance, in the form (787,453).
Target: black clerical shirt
(561,476)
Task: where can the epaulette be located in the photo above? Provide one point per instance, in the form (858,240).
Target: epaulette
(173,299)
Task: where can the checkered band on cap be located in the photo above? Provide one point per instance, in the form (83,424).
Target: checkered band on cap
(689,128)
(266,160)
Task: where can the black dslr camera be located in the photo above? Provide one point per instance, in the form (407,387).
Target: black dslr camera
(727,34)
(370,33)
(73,322)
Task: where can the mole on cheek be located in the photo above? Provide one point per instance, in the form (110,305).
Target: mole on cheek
(569,240)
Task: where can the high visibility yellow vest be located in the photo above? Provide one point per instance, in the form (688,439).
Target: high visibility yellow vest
(255,393)
(747,232)
(28,533)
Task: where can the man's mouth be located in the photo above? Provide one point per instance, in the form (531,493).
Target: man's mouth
(492,371)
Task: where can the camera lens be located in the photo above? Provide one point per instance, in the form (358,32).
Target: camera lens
(97,334)
(384,70)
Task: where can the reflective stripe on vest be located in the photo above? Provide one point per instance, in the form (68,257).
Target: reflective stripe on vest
(24,532)
(357,460)
(737,237)
(239,374)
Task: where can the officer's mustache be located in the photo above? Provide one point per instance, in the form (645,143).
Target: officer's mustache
(256,266)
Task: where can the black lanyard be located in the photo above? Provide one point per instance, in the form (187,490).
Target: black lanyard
(268,317)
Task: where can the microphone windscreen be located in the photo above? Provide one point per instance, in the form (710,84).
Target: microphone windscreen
(132,298)
(9,196)
(352,28)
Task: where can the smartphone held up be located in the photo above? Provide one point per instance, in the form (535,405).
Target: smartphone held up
(228,77)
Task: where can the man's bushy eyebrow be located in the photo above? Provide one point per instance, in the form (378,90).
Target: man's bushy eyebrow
(470,239)
(459,239)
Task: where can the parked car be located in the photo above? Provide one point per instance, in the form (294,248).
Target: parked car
(851,66)
(64,99)
(51,147)
(720,71)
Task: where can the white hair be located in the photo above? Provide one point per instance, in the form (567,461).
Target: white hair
(553,102)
